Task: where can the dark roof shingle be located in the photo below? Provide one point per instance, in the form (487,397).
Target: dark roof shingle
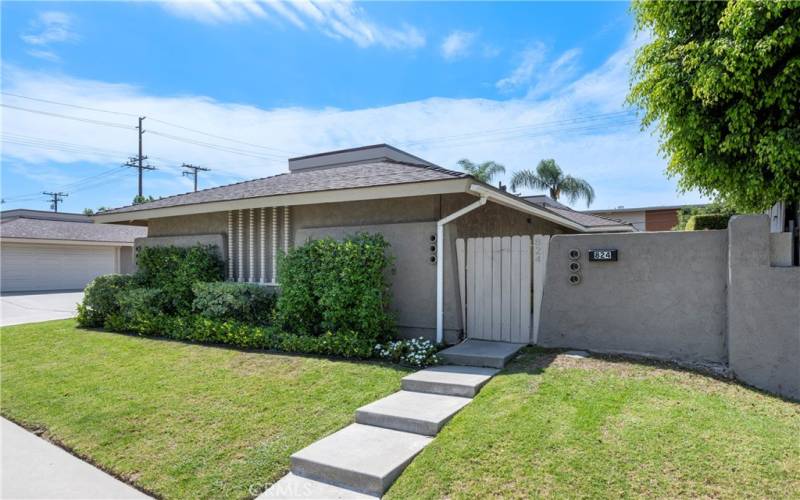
(39,229)
(382,173)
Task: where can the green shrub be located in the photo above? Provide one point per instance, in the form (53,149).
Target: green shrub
(225,301)
(336,286)
(707,221)
(138,305)
(175,270)
(234,333)
(100,298)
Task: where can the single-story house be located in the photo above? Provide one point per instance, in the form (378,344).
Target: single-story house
(43,251)
(658,218)
(456,240)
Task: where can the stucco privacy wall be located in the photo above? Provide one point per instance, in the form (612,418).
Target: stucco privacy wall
(690,296)
(664,297)
(764,311)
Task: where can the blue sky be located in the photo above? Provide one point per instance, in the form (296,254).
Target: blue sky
(252,83)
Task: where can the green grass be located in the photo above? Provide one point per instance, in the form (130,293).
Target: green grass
(556,427)
(179,420)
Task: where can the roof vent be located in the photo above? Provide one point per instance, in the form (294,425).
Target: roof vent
(345,157)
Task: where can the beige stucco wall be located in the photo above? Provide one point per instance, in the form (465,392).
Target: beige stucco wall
(407,222)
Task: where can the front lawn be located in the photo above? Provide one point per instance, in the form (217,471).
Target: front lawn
(558,427)
(179,420)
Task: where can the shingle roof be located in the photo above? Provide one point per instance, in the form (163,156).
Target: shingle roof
(582,218)
(383,173)
(74,231)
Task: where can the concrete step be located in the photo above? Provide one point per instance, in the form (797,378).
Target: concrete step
(450,380)
(359,457)
(415,412)
(486,353)
(293,486)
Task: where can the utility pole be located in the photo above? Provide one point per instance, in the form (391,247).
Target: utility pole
(55,198)
(138,162)
(192,171)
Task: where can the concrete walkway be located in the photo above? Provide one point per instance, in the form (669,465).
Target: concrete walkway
(364,459)
(34,468)
(29,307)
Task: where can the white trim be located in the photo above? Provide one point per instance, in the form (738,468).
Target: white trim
(286,230)
(440,262)
(240,234)
(263,247)
(521,205)
(43,241)
(251,268)
(274,244)
(455,185)
(230,245)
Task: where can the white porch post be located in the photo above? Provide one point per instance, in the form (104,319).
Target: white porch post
(263,245)
(440,262)
(274,244)
(230,245)
(251,243)
(240,276)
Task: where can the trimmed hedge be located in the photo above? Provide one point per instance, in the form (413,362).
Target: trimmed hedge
(226,301)
(100,298)
(707,221)
(234,333)
(329,285)
(176,269)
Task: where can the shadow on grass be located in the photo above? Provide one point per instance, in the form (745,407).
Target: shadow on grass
(535,360)
(228,347)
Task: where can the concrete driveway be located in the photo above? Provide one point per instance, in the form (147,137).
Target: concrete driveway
(30,307)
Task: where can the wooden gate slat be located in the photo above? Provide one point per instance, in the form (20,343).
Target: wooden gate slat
(478,299)
(471,306)
(524,332)
(514,285)
(505,252)
(487,290)
(497,290)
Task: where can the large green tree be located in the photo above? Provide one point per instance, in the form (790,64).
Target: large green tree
(721,83)
(484,172)
(550,177)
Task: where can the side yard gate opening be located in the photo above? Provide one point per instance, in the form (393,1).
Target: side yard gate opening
(500,283)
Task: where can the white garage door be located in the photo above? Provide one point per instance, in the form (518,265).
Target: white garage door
(52,267)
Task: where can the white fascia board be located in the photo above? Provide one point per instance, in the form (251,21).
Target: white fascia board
(512,201)
(43,241)
(456,185)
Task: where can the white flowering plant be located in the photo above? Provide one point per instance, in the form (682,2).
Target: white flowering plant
(413,352)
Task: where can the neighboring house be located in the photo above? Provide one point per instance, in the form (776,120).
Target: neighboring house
(662,218)
(423,210)
(43,251)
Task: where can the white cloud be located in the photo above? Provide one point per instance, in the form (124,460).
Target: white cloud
(50,27)
(47,29)
(621,162)
(457,44)
(530,60)
(337,19)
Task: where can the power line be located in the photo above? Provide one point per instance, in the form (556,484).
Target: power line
(222,137)
(55,197)
(171,124)
(137,161)
(192,172)
(218,147)
(67,117)
(69,105)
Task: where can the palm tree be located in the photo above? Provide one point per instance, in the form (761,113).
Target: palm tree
(550,176)
(483,171)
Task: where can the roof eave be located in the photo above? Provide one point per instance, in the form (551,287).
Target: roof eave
(401,190)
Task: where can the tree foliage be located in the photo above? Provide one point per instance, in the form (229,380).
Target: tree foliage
(484,172)
(721,83)
(550,177)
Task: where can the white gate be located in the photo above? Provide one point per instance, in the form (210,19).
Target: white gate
(498,291)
